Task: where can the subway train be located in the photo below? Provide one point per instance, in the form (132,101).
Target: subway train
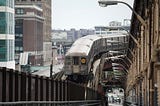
(79,59)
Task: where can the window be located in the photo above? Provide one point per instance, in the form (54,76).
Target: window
(68,60)
(19,11)
(75,60)
(109,32)
(3,56)
(2,29)
(6,20)
(19,27)
(3,50)
(97,32)
(3,23)
(9,3)
(2,2)
(10,50)
(21,48)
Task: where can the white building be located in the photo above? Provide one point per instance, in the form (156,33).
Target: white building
(59,35)
(113,28)
(115,23)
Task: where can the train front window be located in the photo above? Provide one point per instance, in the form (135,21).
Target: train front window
(75,60)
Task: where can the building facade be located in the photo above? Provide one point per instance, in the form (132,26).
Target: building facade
(29,32)
(113,28)
(143,80)
(47,44)
(45,5)
(7,34)
(115,23)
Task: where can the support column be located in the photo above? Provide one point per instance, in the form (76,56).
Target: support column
(157,84)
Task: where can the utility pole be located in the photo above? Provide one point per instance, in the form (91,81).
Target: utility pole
(51,69)
(51,66)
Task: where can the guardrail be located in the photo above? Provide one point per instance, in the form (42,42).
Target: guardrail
(52,103)
(22,86)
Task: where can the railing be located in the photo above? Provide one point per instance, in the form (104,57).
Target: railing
(126,103)
(53,103)
(21,86)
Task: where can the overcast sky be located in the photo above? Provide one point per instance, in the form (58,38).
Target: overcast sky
(79,14)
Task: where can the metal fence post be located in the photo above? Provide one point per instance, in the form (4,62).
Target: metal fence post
(47,89)
(41,88)
(52,89)
(60,90)
(11,83)
(56,91)
(29,87)
(37,87)
(17,86)
(23,86)
(66,89)
(4,85)
(1,84)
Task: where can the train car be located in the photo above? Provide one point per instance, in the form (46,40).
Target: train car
(80,57)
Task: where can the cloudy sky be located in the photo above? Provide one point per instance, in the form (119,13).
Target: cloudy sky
(67,14)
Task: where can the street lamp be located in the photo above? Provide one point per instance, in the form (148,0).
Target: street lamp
(105,3)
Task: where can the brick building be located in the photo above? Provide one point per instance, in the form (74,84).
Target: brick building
(41,10)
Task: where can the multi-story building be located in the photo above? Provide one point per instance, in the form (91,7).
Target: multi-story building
(65,38)
(29,32)
(70,35)
(46,46)
(7,34)
(113,28)
(84,32)
(115,23)
(74,34)
(62,35)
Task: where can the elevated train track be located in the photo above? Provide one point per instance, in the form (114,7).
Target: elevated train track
(81,56)
(140,66)
(92,55)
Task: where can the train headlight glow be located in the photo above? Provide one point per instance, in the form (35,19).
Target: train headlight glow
(83,60)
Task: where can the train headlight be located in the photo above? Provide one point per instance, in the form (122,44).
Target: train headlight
(83,60)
